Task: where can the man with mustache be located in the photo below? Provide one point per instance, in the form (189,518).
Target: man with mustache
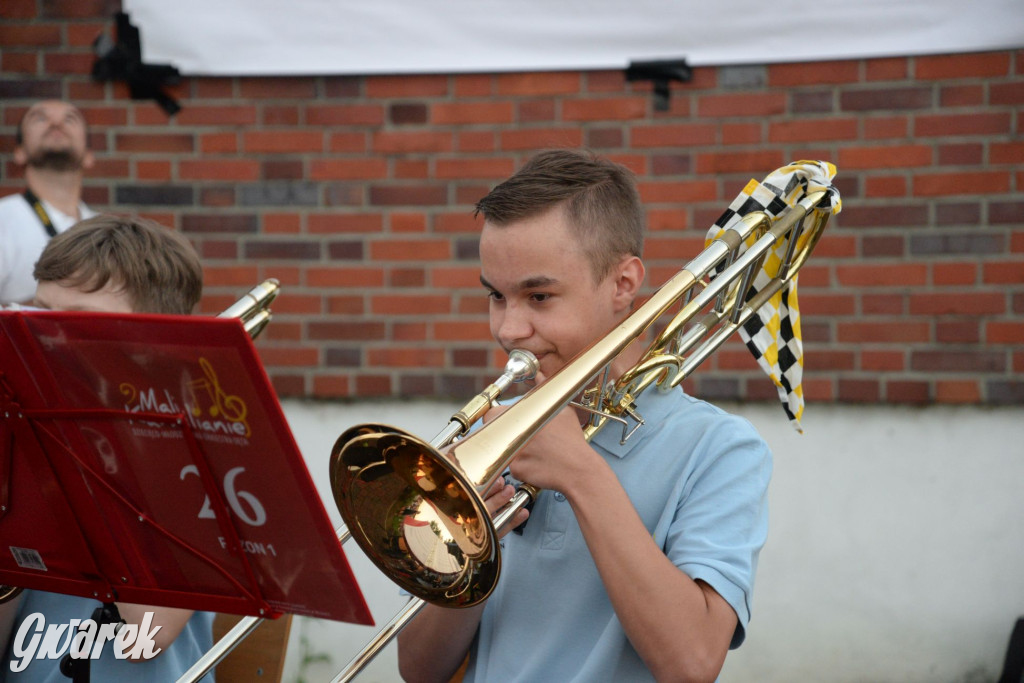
(52,147)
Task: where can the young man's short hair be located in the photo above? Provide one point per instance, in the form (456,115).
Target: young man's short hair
(158,268)
(600,198)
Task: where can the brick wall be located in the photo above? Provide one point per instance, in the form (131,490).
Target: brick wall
(357,193)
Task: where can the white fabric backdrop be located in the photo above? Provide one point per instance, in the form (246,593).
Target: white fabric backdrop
(270,37)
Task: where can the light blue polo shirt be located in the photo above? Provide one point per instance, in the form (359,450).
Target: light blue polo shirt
(193,641)
(698,478)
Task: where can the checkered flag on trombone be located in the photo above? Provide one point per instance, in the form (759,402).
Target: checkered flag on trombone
(773,335)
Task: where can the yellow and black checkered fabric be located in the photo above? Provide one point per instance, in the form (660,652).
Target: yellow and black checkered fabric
(773,335)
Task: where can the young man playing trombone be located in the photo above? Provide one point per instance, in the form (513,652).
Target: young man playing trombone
(638,560)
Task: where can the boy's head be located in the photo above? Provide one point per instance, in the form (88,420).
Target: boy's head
(560,255)
(117,264)
(599,198)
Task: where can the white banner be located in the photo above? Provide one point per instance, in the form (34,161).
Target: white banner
(271,37)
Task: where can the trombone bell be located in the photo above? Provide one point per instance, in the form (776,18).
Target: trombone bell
(415,517)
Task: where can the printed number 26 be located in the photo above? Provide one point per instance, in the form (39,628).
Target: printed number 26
(235,498)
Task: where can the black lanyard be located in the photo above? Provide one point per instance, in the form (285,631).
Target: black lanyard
(37,206)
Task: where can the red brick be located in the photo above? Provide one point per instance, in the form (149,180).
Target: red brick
(280,116)
(455,277)
(407,222)
(154,142)
(974,182)
(283,141)
(403,142)
(344,276)
(816,73)
(18,9)
(966,154)
(678,191)
(812,130)
(741,105)
(859,390)
(904,275)
(36,35)
(406,86)
(233,275)
(219,169)
(398,304)
(885,157)
(741,133)
(153,170)
(348,169)
(885,186)
(886,69)
(463,222)
(406,357)
(605,109)
(540,138)
(678,135)
(200,115)
(462,331)
(1003,273)
(975,303)
(345,115)
(411,250)
(277,87)
(68,63)
(977,65)
(1004,332)
(413,169)
(539,83)
(869,332)
(1006,93)
(274,223)
(882,361)
(1006,152)
(288,356)
(667,219)
(832,305)
(475,141)
(951,274)
(331,386)
(218,143)
(907,392)
(19,62)
(348,142)
(344,222)
(962,96)
(886,127)
(498,168)
(757,162)
(473,85)
(957,391)
(962,331)
(941,125)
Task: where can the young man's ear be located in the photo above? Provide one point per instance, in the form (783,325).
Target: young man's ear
(629,277)
(88,160)
(20,156)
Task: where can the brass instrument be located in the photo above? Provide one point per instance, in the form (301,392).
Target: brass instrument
(419,514)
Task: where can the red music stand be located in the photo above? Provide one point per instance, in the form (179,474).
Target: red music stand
(145,459)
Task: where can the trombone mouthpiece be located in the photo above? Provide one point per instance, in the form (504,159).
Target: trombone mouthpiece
(522,365)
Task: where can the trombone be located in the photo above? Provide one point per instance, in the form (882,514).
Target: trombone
(419,513)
